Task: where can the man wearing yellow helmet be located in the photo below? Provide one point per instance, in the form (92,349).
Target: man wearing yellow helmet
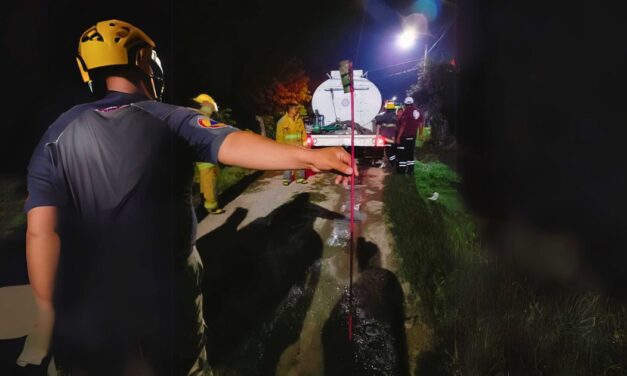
(110,242)
(386,123)
(208,172)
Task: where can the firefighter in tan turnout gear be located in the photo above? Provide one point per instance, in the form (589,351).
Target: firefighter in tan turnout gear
(290,130)
(208,172)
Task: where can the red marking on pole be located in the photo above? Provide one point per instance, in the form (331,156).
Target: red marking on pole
(350,327)
(352,212)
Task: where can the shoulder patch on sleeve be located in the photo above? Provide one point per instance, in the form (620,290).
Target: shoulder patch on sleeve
(205,122)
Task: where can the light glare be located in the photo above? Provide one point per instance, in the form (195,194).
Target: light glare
(407,38)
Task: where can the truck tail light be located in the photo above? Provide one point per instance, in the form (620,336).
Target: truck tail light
(379,141)
(309,141)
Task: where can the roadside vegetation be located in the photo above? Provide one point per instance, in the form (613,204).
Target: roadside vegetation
(228,177)
(12,197)
(487,318)
(231,175)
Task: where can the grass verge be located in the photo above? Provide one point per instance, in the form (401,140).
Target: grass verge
(230,175)
(12,197)
(487,318)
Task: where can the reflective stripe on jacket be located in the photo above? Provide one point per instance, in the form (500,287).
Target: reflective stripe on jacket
(290,131)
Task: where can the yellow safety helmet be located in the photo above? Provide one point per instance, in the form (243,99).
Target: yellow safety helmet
(390,105)
(201,98)
(118,43)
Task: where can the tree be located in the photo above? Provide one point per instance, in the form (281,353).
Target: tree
(434,93)
(225,115)
(283,82)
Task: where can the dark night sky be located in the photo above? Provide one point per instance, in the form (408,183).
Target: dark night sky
(540,93)
(219,47)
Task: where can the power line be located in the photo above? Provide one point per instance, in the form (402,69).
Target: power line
(446,29)
(395,65)
(402,72)
(441,36)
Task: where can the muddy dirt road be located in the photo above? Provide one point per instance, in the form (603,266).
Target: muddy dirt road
(276,277)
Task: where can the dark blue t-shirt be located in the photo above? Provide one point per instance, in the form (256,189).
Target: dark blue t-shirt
(119,170)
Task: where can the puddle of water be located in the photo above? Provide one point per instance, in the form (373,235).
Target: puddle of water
(340,233)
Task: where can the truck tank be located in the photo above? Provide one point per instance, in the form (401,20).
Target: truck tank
(330,101)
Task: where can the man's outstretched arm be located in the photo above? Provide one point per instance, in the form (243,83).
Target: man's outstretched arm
(250,150)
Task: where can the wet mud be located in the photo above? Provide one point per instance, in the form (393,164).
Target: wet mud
(277,298)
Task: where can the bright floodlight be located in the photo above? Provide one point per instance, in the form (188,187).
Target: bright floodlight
(407,38)
(394,98)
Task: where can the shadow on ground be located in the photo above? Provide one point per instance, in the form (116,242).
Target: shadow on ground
(378,346)
(256,288)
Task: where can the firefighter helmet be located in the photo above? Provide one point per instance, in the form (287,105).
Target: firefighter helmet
(202,98)
(409,100)
(118,43)
(389,105)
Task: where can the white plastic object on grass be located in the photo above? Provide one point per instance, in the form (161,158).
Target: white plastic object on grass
(434,196)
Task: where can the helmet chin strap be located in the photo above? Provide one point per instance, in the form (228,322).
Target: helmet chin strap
(152,94)
(156,78)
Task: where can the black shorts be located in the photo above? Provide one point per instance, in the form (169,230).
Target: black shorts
(167,336)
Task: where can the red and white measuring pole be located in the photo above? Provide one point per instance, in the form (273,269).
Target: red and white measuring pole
(346,74)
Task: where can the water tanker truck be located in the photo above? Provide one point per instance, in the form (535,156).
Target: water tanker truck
(330,124)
